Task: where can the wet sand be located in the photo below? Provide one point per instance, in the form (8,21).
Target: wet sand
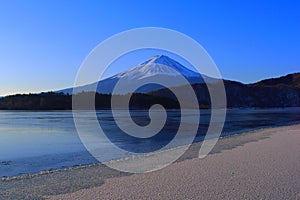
(263,164)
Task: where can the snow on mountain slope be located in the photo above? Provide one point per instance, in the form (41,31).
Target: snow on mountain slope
(158,67)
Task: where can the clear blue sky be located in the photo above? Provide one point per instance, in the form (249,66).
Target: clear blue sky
(42,43)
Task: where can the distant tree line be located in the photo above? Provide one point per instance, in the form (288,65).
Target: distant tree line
(43,101)
(60,101)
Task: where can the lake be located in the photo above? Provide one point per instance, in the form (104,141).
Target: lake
(32,141)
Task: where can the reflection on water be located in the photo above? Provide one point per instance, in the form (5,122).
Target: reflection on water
(34,141)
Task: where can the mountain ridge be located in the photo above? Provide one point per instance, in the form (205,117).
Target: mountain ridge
(282,91)
(239,95)
(291,80)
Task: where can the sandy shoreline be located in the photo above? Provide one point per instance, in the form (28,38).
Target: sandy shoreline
(263,164)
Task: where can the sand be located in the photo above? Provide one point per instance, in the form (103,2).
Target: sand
(265,169)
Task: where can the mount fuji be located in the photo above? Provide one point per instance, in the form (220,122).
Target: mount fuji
(159,67)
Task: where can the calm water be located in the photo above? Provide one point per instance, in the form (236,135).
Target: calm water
(35,141)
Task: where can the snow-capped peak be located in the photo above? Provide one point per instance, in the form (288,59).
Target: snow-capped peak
(157,65)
